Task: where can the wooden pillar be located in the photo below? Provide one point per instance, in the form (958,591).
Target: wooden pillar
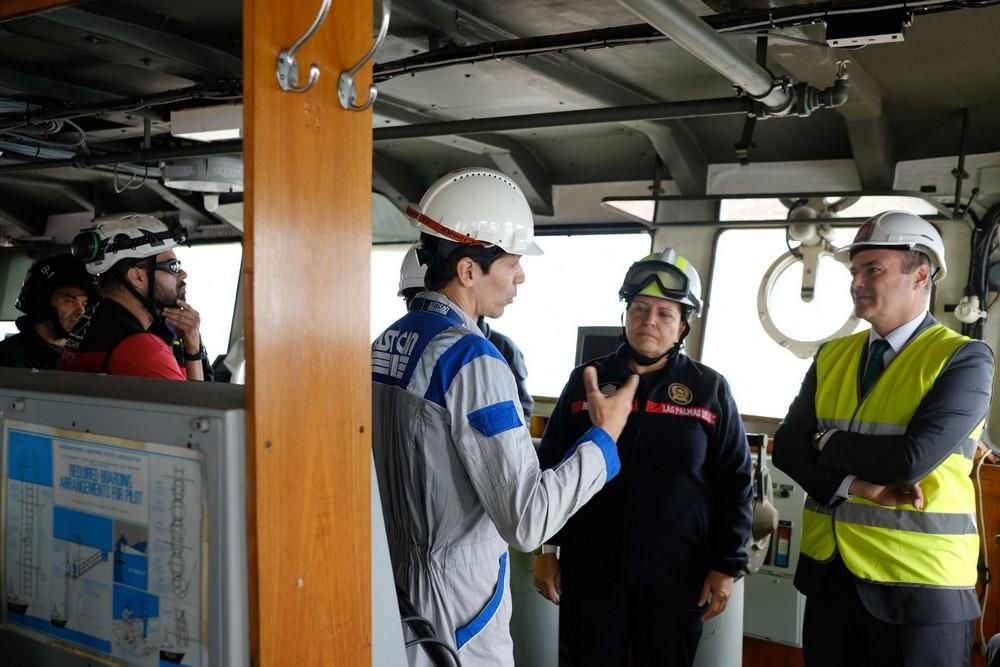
(307,245)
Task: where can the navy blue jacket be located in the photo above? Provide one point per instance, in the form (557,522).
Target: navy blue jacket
(682,503)
(27,349)
(515,359)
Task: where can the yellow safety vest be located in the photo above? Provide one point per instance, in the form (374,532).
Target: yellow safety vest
(935,546)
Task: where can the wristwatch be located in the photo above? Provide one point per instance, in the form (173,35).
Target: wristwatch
(817,438)
(202,355)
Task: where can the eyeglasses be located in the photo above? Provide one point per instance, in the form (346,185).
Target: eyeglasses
(169,265)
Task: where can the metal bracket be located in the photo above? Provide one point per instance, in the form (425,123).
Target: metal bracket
(809,253)
(288,68)
(347,88)
(745,143)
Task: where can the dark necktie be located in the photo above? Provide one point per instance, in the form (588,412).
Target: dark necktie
(876,362)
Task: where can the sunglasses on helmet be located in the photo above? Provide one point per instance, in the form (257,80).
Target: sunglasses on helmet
(671,280)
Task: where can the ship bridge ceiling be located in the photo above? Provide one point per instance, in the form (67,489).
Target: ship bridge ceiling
(87,91)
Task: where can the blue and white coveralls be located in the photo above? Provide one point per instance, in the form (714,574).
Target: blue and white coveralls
(459,477)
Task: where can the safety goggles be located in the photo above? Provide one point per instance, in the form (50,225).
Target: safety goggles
(169,265)
(673,283)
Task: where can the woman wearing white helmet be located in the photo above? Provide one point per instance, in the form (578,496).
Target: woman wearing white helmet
(457,472)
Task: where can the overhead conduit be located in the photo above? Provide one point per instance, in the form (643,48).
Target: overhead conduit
(777,96)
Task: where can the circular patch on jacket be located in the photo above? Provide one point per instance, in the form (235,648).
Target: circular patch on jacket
(679,394)
(609,390)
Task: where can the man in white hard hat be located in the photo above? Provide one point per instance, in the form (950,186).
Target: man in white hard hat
(656,552)
(458,475)
(411,283)
(143,326)
(882,437)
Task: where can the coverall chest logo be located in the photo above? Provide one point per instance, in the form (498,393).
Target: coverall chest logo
(679,394)
(391,352)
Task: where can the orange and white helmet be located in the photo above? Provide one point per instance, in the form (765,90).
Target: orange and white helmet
(477,207)
(902,231)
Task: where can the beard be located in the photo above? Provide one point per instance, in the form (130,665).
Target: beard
(166,297)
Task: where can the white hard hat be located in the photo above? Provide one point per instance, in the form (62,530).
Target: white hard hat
(664,275)
(411,271)
(901,230)
(127,236)
(477,206)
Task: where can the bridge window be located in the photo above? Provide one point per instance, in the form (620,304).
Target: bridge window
(213,276)
(575,283)
(765,376)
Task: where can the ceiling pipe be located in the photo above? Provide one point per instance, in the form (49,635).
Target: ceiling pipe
(691,33)
(84,161)
(775,96)
(657,111)
(773,19)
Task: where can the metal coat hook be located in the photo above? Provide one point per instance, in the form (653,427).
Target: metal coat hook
(288,68)
(347,88)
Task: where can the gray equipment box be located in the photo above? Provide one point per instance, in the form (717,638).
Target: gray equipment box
(773,608)
(80,418)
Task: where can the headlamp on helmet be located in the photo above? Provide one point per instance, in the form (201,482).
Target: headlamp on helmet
(131,236)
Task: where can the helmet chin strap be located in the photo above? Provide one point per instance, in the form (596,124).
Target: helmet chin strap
(643,360)
(147,301)
(52,317)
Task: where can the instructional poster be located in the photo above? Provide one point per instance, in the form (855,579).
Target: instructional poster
(102,545)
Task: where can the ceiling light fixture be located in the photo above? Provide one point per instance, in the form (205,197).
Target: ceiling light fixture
(210,176)
(215,123)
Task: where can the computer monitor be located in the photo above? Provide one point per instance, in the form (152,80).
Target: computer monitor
(594,342)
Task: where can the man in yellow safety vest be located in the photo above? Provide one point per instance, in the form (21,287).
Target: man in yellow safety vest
(882,437)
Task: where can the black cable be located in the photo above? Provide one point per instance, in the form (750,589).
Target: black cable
(438,652)
(416,619)
(983,244)
(435,642)
(642,33)
(992,218)
(795,251)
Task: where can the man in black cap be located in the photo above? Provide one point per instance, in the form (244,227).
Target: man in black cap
(54,296)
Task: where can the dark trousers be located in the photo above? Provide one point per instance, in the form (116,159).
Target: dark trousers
(838,631)
(655,626)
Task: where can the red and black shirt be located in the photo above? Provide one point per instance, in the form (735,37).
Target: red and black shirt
(111,340)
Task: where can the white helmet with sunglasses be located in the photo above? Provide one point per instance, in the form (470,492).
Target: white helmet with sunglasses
(127,236)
